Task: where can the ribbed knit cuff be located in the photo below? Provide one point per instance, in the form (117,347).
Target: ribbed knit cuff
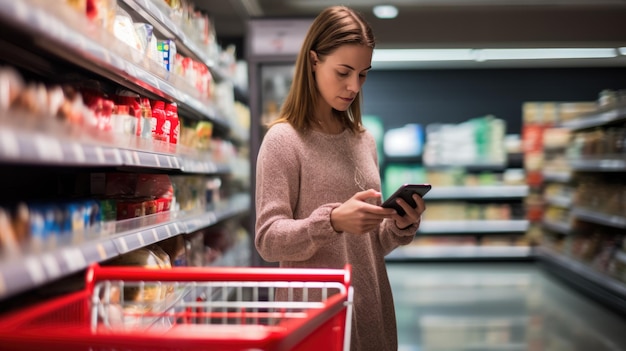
(410,225)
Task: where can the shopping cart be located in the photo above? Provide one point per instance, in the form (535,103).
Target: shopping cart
(133,309)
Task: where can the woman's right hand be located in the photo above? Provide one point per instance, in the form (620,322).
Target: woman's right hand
(358,215)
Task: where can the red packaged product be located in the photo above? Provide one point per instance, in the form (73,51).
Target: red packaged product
(161,130)
(127,209)
(171,115)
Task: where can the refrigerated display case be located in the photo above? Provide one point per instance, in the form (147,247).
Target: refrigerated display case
(272,46)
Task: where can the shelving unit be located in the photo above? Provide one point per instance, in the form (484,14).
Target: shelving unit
(588,251)
(469,228)
(48,39)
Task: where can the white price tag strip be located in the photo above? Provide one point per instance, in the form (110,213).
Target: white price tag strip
(99,154)
(122,247)
(157,160)
(9,145)
(79,153)
(36,273)
(102,252)
(117,156)
(128,158)
(155,235)
(74,259)
(140,238)
(51,265)
(48,149)
(168,230)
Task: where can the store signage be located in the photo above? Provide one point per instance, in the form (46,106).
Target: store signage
(277,36)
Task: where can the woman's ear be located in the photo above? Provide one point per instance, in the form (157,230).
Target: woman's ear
(313,58)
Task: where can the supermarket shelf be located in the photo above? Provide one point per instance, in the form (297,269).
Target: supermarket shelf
(606,163)
(64,33)
(472,167)
(478,192)
(559,201)
(40,148)
(473,227)
(599,285)
(159,15)
(557,176)
(557,226)
(413,252)
(613,115)
(599,217)
(23,272)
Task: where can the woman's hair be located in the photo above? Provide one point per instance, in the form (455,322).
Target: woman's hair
(333,27)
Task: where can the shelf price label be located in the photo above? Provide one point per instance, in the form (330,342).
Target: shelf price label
(48,149)
(79,153)
(74,259)
(9,146)
(51,265)
(34,269)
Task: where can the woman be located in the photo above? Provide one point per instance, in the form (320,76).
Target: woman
(318,182)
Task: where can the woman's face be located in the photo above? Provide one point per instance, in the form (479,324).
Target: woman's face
(340,76)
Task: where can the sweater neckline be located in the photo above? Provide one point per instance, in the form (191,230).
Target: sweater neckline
(323,135)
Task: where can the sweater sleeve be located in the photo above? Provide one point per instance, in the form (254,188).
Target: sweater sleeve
(390,236)
(279,236)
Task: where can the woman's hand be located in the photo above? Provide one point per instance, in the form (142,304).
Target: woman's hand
(358,215)
(413,215)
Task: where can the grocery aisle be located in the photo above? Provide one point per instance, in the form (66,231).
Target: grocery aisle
(496,306)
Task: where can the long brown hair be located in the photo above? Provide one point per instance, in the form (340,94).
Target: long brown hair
(333,27)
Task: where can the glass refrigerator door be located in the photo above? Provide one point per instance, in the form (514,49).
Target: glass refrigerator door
(275,83)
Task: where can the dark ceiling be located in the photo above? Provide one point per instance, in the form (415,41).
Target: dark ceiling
(450,23)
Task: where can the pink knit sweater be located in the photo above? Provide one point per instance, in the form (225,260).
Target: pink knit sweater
(300,179)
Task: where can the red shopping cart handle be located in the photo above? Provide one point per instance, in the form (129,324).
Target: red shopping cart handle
(97,273)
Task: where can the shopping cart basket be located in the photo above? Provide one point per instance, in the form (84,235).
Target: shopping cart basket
(189,308)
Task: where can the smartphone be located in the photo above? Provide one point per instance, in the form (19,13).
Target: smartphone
(406,192)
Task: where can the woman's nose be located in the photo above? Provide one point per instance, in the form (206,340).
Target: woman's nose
(354,84)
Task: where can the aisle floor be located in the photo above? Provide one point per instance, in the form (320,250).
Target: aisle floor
(497,306)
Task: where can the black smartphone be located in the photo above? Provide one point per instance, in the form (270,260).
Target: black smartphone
(406,192)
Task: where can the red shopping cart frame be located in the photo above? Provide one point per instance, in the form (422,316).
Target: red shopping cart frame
(64,323)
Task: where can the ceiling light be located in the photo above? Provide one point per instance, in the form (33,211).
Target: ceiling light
(397,55)
(385,11)
(480,55)
(622,51)
(546,53)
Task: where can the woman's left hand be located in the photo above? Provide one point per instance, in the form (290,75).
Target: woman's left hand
(413,215)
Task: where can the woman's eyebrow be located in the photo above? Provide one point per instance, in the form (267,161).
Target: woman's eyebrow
(352,68)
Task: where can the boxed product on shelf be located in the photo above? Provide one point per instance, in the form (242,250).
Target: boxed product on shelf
(476,141)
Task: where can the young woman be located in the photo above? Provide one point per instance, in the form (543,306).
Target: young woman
(318,182)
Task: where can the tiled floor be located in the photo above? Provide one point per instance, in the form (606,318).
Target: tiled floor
(496,306)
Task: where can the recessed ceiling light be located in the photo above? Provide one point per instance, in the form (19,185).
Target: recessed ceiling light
(385,11)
